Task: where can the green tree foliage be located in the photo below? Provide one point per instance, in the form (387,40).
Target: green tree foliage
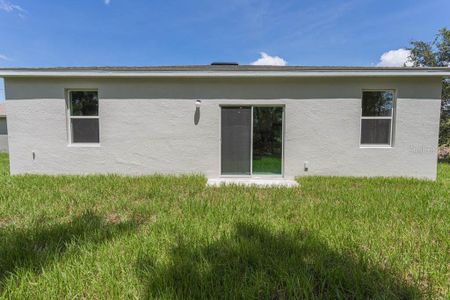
(436,54)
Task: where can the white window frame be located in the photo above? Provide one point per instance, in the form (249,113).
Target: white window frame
(70,117)
(391,118)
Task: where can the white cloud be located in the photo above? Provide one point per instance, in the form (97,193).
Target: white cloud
(4,57)
(395,58)
(107,2)
(7,6)
(267,60)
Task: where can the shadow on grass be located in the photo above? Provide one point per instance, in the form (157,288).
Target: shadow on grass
(255,263)
(37,247)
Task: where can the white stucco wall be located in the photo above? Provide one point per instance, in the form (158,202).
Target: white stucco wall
(147,125)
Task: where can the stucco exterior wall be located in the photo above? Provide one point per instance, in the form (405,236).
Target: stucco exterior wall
(149,126)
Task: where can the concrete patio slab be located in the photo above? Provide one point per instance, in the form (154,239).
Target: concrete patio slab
(260,182)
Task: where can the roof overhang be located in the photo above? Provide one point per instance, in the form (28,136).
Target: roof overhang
(240,71)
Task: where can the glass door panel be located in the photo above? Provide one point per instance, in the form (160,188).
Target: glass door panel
(267,140)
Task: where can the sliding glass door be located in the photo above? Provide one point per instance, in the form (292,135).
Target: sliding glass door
(252,140)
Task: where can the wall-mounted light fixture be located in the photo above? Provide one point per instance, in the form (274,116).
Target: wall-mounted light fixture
(198,103)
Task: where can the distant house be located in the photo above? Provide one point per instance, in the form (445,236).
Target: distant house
(3,129)
(225,121)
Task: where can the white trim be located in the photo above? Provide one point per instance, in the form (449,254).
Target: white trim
(374,146)
(68,127)
(84,145)
(376,118)
(85,117)
(299,73)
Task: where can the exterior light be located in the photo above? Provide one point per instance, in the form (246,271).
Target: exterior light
(198,103)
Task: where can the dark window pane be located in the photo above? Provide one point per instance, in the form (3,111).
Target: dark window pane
(236,140)
(3,127)
(375,131)
(267,139)
(85,131)
(83,103)
(377,103)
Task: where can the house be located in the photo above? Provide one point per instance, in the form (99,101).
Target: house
(3,129)
(224,121)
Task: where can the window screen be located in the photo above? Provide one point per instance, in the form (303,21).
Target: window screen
(83,115)
(377,117)
(236,140)
(85,131)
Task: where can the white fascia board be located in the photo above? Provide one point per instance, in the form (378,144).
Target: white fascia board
(201,74)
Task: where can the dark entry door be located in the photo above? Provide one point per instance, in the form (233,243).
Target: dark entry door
(236,140)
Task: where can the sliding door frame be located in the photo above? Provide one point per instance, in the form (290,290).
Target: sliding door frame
(251,141)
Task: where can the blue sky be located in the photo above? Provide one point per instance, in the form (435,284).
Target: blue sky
(123,32)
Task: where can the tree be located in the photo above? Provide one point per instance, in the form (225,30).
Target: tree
(436,54)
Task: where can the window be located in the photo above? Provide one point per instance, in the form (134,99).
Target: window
(3,127)
(377,116)
(83,117)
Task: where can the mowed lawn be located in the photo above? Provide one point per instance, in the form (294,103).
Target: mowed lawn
(101,237)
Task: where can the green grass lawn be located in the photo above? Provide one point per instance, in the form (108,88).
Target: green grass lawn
(267,165)
(171,237)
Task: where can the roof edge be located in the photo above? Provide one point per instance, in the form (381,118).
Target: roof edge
(225,71)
